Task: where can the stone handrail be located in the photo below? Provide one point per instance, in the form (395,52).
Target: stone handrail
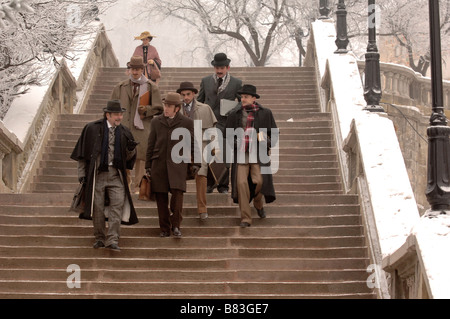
(402,86)
(22,145)
(371,163)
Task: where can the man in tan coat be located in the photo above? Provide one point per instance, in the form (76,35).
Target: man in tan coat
(198,112)
(142,100)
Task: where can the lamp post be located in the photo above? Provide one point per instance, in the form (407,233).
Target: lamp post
(372,85)
(438,189)
(342,37)
(324,9)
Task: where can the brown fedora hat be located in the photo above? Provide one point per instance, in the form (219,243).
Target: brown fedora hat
(136,62)
(144,35)
(187,86)
(173,98)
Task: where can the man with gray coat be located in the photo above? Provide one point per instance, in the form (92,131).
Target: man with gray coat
(214,88)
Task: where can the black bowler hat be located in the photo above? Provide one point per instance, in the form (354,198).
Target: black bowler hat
(114,107)
(249,89)
(220,59)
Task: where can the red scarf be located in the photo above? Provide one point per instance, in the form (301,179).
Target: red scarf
(251,110)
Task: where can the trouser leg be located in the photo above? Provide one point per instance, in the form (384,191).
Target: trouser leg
(176,207)
(116,193)
(98,217)
(244,192)
(201,185)
(255,173)
(162,202)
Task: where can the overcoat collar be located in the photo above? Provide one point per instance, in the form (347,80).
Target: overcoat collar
(176,120)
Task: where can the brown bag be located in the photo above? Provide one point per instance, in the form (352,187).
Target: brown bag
(155,73)
(145,189)
(78,201)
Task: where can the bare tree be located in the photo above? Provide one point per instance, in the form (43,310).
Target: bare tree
(256,25)
(40,35)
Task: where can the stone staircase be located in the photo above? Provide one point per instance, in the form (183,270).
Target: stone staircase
(311,245)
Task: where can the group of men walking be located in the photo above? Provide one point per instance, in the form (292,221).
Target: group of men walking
(140,131)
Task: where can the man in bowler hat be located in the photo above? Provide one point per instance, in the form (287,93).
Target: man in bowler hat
(104,151)
(247,180)
(214,88)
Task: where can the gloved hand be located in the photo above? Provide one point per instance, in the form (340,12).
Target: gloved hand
(195,169)
(131,145)
(142,109)
(148,172)
(82,180)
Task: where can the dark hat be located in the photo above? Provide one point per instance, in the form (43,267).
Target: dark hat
(249,89)
(136,62)
(220,59)
(113,107)
(187,86)
(173,98)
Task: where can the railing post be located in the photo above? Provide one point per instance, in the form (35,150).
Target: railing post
(372,85)
(324,9)
(341,26)
(438,189)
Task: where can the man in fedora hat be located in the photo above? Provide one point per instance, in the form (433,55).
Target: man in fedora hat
(198,112)
(104,151)
(142,99)
(247,181)
(148,52)
(214,88)
(169,174)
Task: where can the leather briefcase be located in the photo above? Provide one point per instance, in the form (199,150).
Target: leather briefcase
(78,201)
(145,189)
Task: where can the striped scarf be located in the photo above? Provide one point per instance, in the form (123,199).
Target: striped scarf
(251,110)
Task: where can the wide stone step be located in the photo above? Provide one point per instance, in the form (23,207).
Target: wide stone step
(53,199)
(169,276)
(116,262)
(226,288)
(147,210)
(149,218)
(127,242)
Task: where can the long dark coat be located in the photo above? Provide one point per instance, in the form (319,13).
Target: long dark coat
(89,148)
(263,119)
(208,94)
(165,173)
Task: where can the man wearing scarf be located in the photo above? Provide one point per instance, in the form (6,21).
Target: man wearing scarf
(214,88)
(142,99)
(104,151)
(247,182)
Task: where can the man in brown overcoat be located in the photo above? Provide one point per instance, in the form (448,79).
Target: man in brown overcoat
(170,152)
(138,117)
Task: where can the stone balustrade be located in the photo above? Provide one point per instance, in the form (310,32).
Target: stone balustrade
(402,86)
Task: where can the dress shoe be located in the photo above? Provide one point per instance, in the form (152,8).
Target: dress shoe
(99,244)
(164,234)
(176,232)
(203,216)
(209,189)
(223,191)
(113,247)
(261,213)
(245,225)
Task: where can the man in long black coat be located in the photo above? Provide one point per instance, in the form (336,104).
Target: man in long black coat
(251,171)
(104,151)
